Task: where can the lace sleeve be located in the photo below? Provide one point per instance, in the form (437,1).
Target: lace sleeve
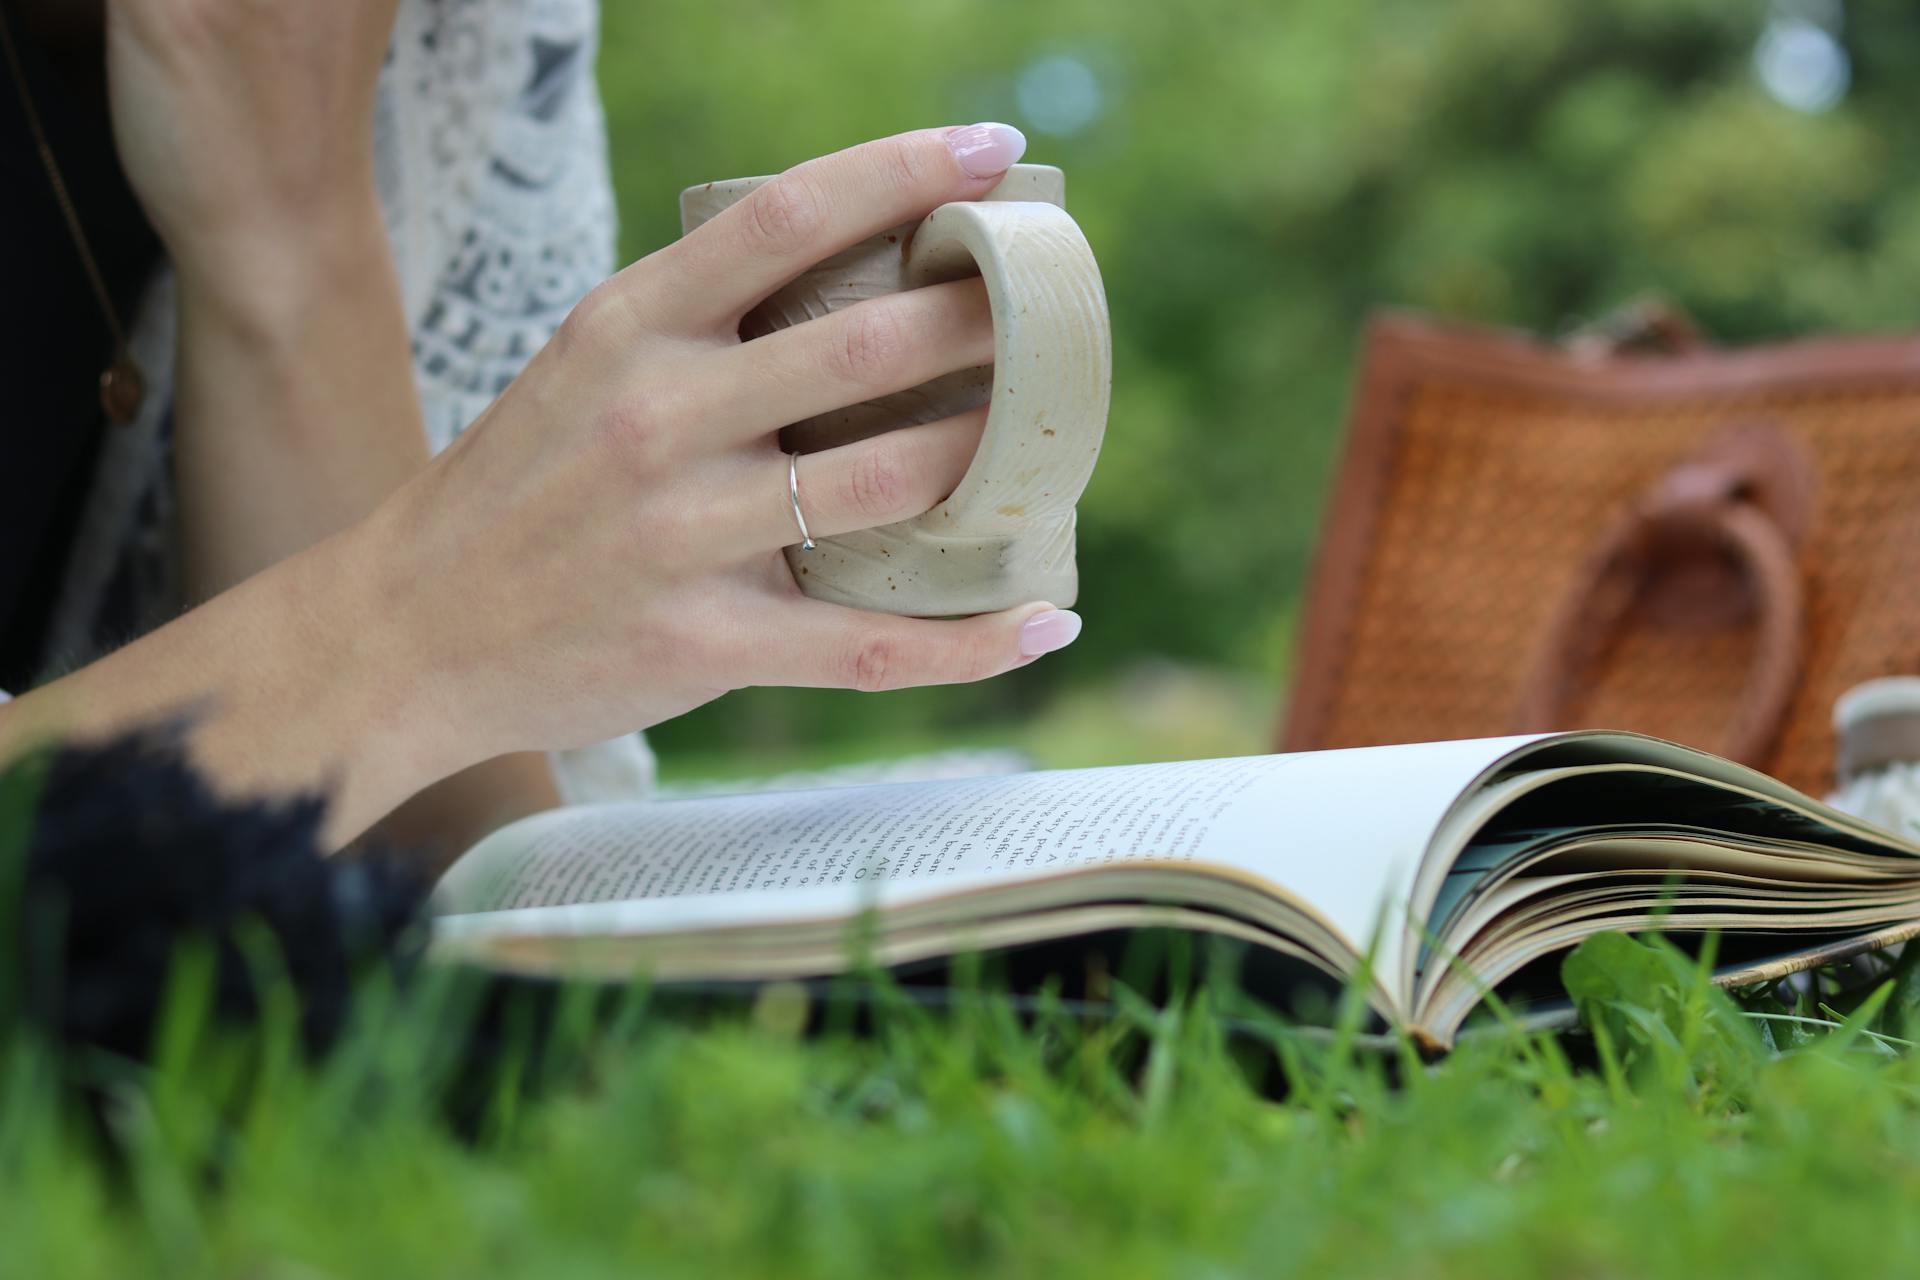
(492,158)
(492,155)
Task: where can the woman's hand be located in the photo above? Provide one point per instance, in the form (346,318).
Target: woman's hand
(602,550)
(245,126)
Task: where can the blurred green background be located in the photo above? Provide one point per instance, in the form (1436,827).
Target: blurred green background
(1256,176)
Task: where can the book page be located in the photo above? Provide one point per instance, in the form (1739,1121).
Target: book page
(863,836)
(1340,831)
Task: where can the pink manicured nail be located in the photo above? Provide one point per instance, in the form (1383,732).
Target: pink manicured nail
(984,150)
(1045,632)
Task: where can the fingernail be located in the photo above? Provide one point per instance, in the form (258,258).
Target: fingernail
(1045,632)
(986,149)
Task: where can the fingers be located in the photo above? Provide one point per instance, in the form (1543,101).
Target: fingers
(718,273)
(871,349)
(828,646)
(884,479)
(890,477)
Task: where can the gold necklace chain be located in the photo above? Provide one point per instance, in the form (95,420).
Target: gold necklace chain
(122,387)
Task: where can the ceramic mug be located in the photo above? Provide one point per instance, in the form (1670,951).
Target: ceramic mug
(1006,535)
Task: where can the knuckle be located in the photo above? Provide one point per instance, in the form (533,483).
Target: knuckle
(784,216)
(873,666)
(982,659)
(637,437)
(878,482)
(903,164)
(596,319)
(872,343)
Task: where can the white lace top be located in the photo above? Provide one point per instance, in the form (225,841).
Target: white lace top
(492,167)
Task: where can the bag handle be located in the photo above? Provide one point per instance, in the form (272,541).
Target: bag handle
(1746,494)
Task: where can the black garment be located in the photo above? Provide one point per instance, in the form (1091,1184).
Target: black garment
(54,341)
(132,854)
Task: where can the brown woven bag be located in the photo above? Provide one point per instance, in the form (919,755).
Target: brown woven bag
(1707,545)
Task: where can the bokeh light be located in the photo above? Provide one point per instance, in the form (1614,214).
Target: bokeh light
(1059,95)
(1801,64)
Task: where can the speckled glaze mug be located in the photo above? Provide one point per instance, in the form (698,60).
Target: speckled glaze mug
(1006,535)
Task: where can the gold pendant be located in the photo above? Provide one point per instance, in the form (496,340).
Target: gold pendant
(122,389)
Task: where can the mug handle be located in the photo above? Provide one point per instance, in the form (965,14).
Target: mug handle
(1052,371)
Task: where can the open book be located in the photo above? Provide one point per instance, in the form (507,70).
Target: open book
(1431,873)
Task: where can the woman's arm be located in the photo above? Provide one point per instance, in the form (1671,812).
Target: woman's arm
(296,406)
(290,682)
(296,412)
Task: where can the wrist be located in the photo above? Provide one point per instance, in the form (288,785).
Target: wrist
(368,618)
(260,278)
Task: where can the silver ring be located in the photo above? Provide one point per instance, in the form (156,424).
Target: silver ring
(793,492)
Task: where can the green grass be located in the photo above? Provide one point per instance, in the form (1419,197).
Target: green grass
(668,1144)
(1686,1134)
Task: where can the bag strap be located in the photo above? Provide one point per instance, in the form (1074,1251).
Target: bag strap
(1747,494)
